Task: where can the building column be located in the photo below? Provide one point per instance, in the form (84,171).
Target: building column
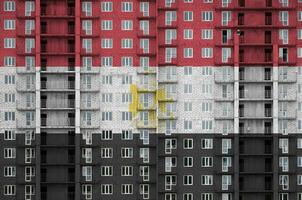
(77,99)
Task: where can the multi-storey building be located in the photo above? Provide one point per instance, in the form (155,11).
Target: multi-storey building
(151,99)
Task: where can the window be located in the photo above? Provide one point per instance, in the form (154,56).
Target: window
(29,154)
(144,190)
(188,161)
(226,163)
(9,190)
(127,25)
(29,26)
(206,161)
(299,179)
(144,26)
(283,196)
(283,17)
(144,171)
(107,189)
(106,61)
(187,88)
(126,97)
(284,181)
(299,196)
(127,6)
(9,171)
(207,52)
(9,116)
(188,143)
(9,79)
(226,17)
(206,180)
(9,135)
(107,25)
(188,125)
(144,8)
(107,97)
(299,34)
(9,43)
(226,54)
(126,79)
(188,16)
(87,8)
(127,135)
(170,181)
(207,16)
(106,6)
(126,170)
(187,71)
(87,172)
(187,196)
(9,61)
(188,180)
(106,171)
(188,52)
(29,45)
(299,161)
(107,135)
(206,125)
(29,7)
(9,24)
(226,145)
(106,152)
(206,106)
(299,143)
(126,116)
(87,26)
(283,35)
(170,16)
(127,44)
(87,45)
(127,152)
(283,145)
(207,196)
(87,153)
(299,52)
(107,43)
(107,116)
(127,61)
(206,143)
(188,106)
(9,152)
(87,191)
(299,15)
(170,162)
(29,173)
(9,6)
(87,63)
(127,189)
(207,34)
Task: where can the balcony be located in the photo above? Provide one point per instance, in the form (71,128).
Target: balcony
(168,115)
(147,106)
(219,78)
(166,97)
(146,70)
(168,78)
(151,87)
(57,86)
(150,124)
(57,105)
(166,6)
(63,123)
